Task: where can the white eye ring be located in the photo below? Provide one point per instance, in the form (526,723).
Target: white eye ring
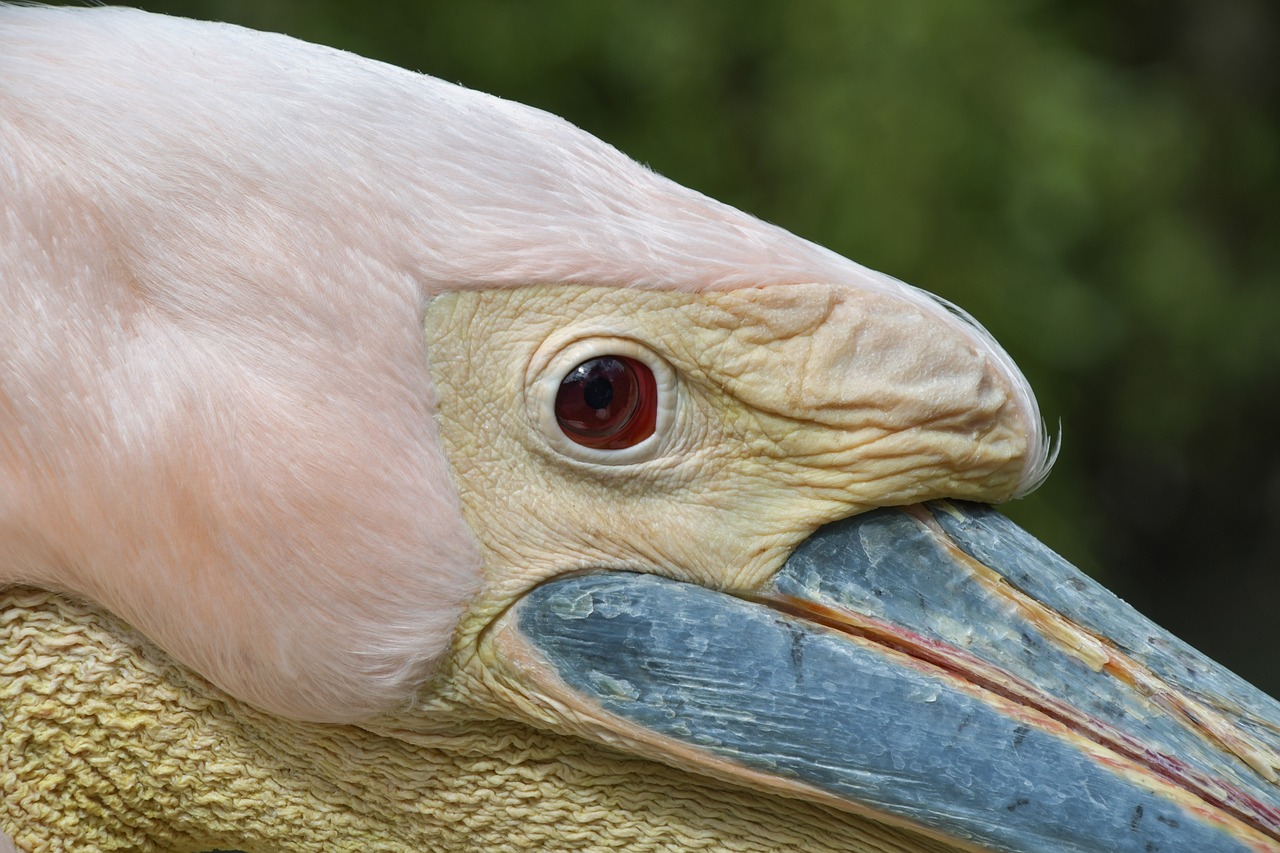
(547,372)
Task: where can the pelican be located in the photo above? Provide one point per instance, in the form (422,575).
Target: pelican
(387,466)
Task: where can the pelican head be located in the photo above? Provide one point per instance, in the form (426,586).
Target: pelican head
(382,403)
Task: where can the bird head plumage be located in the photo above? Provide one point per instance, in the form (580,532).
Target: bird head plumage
(246,255)
(288,338)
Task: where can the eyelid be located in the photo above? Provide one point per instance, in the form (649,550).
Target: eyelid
(556,358)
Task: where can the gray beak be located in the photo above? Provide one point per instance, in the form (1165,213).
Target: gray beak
(933,666)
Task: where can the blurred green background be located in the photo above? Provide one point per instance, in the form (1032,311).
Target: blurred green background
(1096,181)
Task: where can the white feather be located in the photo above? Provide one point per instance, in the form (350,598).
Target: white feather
(216,246)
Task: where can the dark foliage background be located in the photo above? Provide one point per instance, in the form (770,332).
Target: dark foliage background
(1096,181)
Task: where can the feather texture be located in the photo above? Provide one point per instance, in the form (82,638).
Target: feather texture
(216,248)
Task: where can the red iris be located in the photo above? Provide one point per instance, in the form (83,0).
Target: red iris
(609,402)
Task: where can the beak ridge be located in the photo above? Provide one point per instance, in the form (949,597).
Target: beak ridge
(889,668)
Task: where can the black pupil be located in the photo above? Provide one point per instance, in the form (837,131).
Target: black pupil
(598,392)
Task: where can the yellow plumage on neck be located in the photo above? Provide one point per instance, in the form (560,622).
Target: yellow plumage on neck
(108,744)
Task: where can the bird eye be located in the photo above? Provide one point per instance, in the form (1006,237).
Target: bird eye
(609,403)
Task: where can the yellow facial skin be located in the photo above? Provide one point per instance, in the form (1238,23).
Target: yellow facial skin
(787,407)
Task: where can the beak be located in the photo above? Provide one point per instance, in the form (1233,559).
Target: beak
(933,666)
